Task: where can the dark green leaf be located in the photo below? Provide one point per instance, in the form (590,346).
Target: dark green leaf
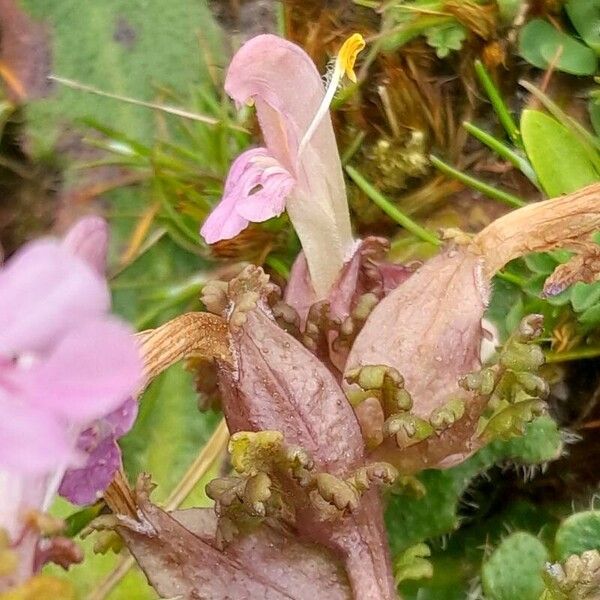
(542,45)
(411,520)
(594,110)
(591,316)
(446,38)
(585,16)
(540,262)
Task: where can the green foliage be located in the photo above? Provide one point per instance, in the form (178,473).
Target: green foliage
(514,570)
(168,434)
(509,9)
(404,21)
(121,47)
(562,156)
(578,533)
(76,521)
(585,16)
(446,38)
(411,520)
(560,162)
(542,45)
(579,303)
(437,516)
(594,110)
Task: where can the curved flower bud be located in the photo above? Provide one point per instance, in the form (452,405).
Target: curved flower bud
(281,80)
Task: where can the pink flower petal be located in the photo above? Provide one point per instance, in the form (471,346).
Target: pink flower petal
(223,223)
(90,372)
(268,201)
(83,485)
(289,89)
(31,440)
(45,291)
(88,239)
(255,190)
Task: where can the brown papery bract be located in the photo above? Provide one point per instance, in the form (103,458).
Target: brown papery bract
(565,222)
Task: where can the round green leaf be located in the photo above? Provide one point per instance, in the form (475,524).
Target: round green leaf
(542,442)
(514,570)
(578,533)
(585,296)
(560,161)
(542,45)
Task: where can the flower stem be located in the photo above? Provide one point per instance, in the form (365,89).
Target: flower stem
(353,147)
(512,278)
(172,110)
(579,354)
(392,211)
(498,103)
(503,151)
(476,184)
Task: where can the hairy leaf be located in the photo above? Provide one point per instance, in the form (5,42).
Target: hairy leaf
(578,533)
(514,570)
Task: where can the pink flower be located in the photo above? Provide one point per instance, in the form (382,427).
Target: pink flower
(300,169)
(64,363)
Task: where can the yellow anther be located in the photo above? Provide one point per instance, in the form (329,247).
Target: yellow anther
(348,53)
(344,65)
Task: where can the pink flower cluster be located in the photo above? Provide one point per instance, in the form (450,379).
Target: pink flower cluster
(66,365)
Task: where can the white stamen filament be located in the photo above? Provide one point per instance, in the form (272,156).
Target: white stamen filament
(323,107)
